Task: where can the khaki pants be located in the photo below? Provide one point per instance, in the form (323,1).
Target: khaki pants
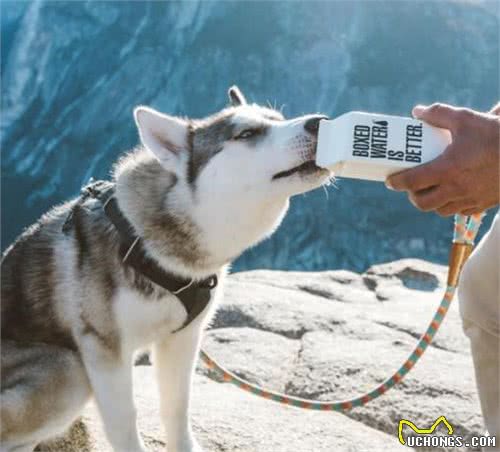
(479,297)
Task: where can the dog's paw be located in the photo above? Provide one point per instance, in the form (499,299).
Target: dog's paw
(140,448)
(196,447)
(188,445)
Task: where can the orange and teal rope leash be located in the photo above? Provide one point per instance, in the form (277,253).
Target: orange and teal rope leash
(465,231)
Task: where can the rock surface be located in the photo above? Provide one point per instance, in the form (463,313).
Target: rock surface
(326,335)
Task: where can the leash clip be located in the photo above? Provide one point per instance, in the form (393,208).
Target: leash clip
(459,252)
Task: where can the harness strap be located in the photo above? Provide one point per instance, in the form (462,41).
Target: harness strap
(194,295)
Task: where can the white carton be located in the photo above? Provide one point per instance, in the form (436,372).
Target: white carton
(371,146)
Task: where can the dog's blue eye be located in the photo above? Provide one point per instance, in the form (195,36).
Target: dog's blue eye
(248,133)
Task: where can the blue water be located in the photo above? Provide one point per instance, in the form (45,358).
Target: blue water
(73,71)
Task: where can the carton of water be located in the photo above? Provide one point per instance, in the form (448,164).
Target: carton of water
(372,146)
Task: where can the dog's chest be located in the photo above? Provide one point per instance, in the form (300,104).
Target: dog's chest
(142,320)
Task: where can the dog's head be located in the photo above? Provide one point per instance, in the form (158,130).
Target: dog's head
(243,148)
(235,170)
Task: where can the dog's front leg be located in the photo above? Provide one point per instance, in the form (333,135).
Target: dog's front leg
(174,359)
(111,380)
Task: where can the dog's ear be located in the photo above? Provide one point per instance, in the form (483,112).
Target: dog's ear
(165,136)
(236,97)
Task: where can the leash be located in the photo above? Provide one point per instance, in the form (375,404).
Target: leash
(196,296)
(465,231)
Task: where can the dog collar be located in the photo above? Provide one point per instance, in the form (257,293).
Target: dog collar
(194,295)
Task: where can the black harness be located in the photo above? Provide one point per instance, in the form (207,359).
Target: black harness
(194,295)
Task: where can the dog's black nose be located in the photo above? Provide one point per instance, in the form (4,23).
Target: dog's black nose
(312,124)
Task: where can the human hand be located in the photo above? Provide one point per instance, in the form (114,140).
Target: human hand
(465,178)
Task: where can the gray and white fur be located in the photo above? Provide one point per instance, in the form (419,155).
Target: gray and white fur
(198,192)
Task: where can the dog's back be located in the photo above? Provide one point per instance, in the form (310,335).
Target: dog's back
(41,371)
(28,273)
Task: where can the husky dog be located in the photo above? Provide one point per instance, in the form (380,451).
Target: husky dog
(198,193)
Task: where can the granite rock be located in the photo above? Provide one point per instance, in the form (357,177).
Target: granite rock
(328,335)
